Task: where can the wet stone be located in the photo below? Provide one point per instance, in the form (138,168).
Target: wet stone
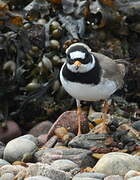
(64,164)
(82,157)
(117,163)
(89,176)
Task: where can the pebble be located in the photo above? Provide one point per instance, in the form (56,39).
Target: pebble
(13,169)
(16,148)
(114,177)
(82,157)
(7,176)
(30,137)
(136,125)
(88,141)
(37,178)
(2,146)
(135,178)
(46,170)
(68,121)
(117,163)
(3,162)
(64,164)
(42,139)
(88,176)
(11,131)
(41,128)
(131,173)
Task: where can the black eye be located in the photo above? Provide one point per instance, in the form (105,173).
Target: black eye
(69,60)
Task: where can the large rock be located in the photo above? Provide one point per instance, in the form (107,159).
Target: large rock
(69,121)
(64,164)
(16,149)
(37,178)
(88,176)
(82,157)
(10,132)
(88,141)
(117,163)
(41,128)
(3,162)
(46,170)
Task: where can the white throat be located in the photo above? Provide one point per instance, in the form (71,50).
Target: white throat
(83,67)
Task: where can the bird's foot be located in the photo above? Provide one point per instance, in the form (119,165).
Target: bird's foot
(101,129)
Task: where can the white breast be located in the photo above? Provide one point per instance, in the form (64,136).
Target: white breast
(89,92)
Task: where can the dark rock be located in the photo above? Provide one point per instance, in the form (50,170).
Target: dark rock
(136,125)
(81,157)
(11,131)
(88,141)
(69,121)
(41,128)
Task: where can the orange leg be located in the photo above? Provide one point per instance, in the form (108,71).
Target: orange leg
(79,116)
(105,111)
(102,128)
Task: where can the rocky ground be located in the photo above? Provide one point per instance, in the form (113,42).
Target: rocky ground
(38,122)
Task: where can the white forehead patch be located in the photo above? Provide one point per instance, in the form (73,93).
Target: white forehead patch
(77,55)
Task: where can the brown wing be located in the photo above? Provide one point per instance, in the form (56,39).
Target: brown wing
(110,69)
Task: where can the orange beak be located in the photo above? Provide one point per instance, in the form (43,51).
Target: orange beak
(77,64)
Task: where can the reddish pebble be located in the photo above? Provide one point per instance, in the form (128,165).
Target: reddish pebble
(41,128)
(10,132)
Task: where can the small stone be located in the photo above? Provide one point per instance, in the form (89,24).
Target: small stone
(82,157)
(41,128)
(7,176)
(46,170)
(134,178)
(3,162)
(60,132)
(136,125)
(30,137)
(16,148)
(42,139)
(69,121)
(88,176)
(117,163)
(114,177)
(11,131)
(131,173)
(37,178)
(14,169)
(88,141)
(64,165)
(2,146)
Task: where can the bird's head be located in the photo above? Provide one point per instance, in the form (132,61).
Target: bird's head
(79,58)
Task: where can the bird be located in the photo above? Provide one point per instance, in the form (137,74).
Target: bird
(90,76)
